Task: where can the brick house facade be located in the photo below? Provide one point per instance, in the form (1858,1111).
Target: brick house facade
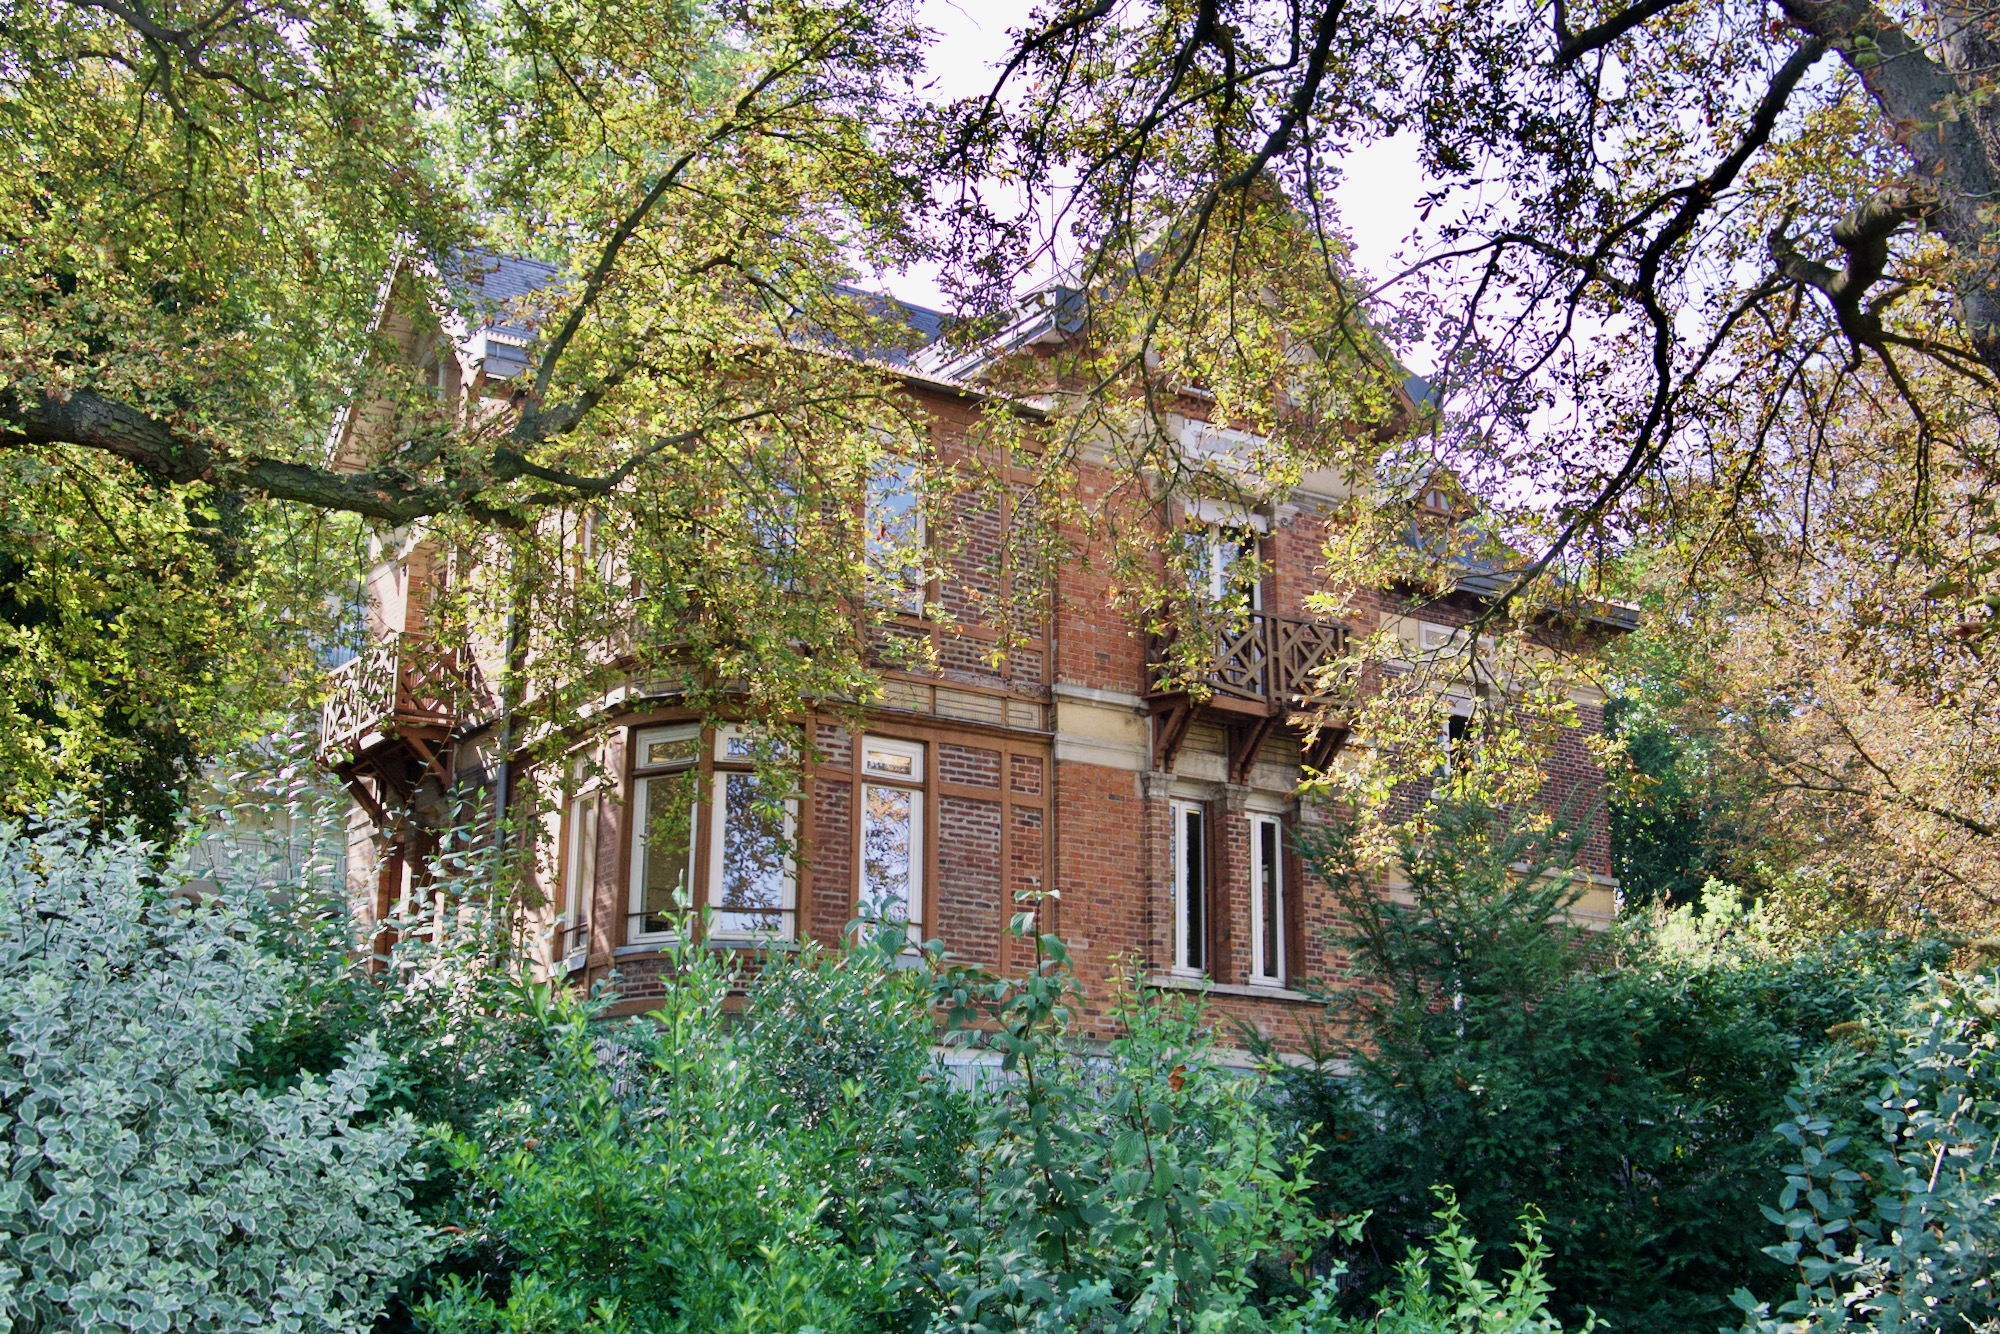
(1163,821)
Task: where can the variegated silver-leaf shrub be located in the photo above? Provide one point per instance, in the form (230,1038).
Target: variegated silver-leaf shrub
(140,1190)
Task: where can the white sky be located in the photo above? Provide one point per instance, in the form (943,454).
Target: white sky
(1376,199)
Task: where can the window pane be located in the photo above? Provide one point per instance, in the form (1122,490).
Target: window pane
(581,873)
(753,878)
(891,763)
(1236,567)
(774,523)
(1193,882)
(666,846)
(1223,564)
(1271,960)
(895,523)
(681,745)
(740,745)
(1201,564)
(888,854)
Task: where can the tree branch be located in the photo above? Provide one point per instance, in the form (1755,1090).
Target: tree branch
(1574,46)
(1864,234)
(1913,91)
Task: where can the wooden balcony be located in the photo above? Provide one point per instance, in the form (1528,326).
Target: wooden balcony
(401,688)
(1262,671)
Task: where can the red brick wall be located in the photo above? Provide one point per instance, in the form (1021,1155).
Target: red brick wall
(1004,823)
(969,912)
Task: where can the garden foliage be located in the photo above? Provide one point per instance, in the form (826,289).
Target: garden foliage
(209,1120)
(809,1163)
(1132,1190)
(1625,1084)
(146,1187)
(1891,1202)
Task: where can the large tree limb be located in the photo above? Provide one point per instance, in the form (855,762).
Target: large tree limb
(1864,235)
(90,420)
(1924,103)
(1914,92)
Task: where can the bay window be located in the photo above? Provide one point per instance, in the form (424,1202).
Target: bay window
(711,840)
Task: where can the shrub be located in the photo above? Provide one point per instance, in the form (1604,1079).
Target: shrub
(1891,1200)
(805,1161)
(143,1189)
(1133,1189)
(1439,1289)
(1623,1085)
(656,1175)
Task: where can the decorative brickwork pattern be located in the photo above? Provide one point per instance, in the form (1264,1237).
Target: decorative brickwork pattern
(969,766)
(969,912)
(831,857)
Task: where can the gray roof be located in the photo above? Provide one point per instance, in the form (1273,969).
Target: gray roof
(496,295)
(496,292)
(1489,574)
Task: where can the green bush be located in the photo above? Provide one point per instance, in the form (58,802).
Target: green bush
(653,1175)
(1891,1203)
(806,1161)
(210,1125)
(144,1187)
(1440,1289)
(1623,1085)
(1132,1189)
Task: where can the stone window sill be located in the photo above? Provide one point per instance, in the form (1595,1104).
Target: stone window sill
(1255,991)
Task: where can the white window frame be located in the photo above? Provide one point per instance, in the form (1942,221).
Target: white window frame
(579,879)
(1214,539)
(914,786)
(642,777)
(905,594)
(1270,972)
(718,835)
(1190,955)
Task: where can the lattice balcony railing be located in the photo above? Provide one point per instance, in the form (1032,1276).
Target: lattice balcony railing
(397,682)
(1269,660)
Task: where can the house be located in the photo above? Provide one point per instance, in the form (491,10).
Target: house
(1080,760)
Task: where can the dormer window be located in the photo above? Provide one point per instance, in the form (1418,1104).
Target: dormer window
(1436,500)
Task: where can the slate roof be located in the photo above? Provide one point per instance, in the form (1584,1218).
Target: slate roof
(1490,574)
(496,294)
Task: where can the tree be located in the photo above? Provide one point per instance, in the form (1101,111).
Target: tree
(1701,278)
(202,205)
(1677,820)
(1663,163)
(209,199)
